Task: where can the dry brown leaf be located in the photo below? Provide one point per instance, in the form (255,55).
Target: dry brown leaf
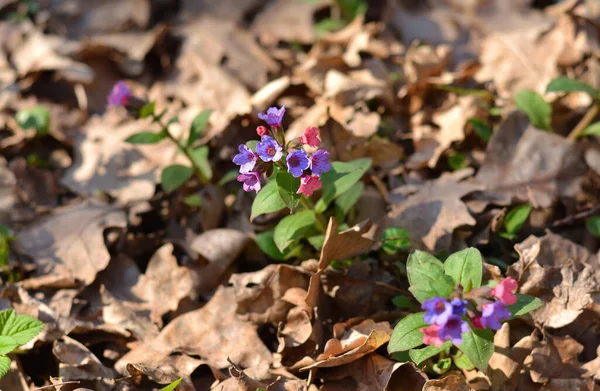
(554,358)
(564,275)
(76,362)
(118,314)
(8,192)
(215,333)
(447,383)
(433,213)
(359,341)
(71,241)
(529,164)
(341,245)
(507,361)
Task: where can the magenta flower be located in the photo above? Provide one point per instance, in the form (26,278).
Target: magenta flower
(268,149)
(119,95)
(246,159)
(505,291)
(453,329)
(251,181)
(297,162)
(430,335)
(310,137)
(437,310)
(319,162)
(308,184)
(493,314)
(273,116)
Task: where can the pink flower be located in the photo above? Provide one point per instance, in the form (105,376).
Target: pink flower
(505,291)
(261,130)
(308,184)
(430,335)
(476,321)
(310,137)
(251,181)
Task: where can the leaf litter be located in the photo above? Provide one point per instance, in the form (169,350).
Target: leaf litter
(138,287)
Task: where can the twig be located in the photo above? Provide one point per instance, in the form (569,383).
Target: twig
(57,384)
(577,216)
(585,121)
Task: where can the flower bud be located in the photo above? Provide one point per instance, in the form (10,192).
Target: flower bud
(261,131)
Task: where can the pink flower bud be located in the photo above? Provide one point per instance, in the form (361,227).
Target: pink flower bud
(261,131)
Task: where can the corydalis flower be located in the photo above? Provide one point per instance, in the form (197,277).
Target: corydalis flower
(310,137)
(119,95)
(268,149)
(319,162)
(273,116)
(453,329)
(246,159)
(505,291)
(493,314)
(251,181)
(437,310)
(308,184)
(430,335)
(297,162)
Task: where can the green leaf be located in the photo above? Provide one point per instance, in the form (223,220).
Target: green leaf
(4,249)
(267,201)
(407,333)
(464,91)
(481,129)
(426,277)
(23,328)
(465,267)
(457,161)
(395,239)
(537,109)
(515,219)
(592,224)
(352,8)
(146,138)
(4,365)
(252,145)
(524,305)
(566,84)
(420,355)
(478,346)
(147,110)
(592,130)
(193,200)
(291,228)
(171,386)
(462,361)
(266,243)
(198,125)
(174,176)
(37,118)
(340,179)
(200,157)
(346,201)
(404,302)
(328,25)
(287,186)
(7,344)
(229,176)
(442,366)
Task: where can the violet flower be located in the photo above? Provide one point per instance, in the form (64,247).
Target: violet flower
(251,181)
(246,159)
(459,306)
(273,116)
(453,329)
(319,162)
(493,314)
(297,162)
(437,310)
(119,95)
(268,149)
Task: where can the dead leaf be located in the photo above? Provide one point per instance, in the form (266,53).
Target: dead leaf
(77,362)
(554,358)
(433,213)
(448,383)
(71,242)
(507,361)
(529,164)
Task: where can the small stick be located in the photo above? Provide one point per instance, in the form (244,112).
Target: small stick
(57,384)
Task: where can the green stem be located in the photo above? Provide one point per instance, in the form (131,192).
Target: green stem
(585,121)
(321,222)
(197,169)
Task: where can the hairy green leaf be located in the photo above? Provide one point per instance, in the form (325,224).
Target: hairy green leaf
(407,333)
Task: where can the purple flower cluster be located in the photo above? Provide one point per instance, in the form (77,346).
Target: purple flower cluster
(447,317)
(270,151)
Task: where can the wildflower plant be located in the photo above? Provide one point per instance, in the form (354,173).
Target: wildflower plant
(460,315)
(174,175)
(289,174)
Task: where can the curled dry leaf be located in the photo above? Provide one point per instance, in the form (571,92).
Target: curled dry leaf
(76,362)
(529,164)
(433,213)
(507,361)
(447,383)
(70,242)
(564,275)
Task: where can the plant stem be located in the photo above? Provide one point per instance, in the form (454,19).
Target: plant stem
(320,219)
(197,169)
(585,121)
